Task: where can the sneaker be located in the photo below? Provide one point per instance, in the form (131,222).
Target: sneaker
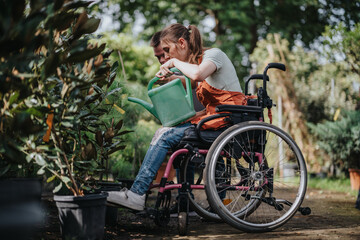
(127,199)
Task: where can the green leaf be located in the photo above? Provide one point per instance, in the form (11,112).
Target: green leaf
(57,188)
(61,20)
(119,125)
(14,96)
(40,160)
(41,171)
(77,4)
(114,67)
(29,157)
(90,26)
(65,179)
(37,111)
(113,91)
(85,55)
(67,124)
(116,149)
(124,132)
(91,99)
(50,179)
(98,89)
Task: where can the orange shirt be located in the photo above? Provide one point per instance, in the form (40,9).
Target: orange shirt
(211,97)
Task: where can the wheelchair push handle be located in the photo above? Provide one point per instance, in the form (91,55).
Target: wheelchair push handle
(263,76)
(279,66)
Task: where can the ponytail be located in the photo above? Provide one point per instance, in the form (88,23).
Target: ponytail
(191,34)
(195,44)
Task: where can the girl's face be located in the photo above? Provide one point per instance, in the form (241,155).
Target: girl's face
(177,50)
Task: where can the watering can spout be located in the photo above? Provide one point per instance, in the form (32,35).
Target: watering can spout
(145,104)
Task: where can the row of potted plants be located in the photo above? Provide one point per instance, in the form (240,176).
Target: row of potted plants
(57,98)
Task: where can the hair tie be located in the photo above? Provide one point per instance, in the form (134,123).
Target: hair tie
(188,29)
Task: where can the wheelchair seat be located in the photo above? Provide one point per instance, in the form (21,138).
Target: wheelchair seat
(236,114)
(191,137)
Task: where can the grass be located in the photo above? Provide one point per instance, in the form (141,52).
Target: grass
(332,184)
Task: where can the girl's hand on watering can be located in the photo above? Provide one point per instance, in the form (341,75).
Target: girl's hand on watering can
(165,70)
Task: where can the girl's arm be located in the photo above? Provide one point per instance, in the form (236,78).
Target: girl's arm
(195,72)
(173,77)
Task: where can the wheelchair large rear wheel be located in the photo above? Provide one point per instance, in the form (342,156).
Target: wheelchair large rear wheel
(255,176)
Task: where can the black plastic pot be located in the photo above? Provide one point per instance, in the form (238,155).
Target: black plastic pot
(21,213)
(82,217)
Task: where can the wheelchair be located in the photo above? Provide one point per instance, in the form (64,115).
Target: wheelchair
(249,174)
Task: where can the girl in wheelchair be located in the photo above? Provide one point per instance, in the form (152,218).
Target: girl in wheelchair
(217,84)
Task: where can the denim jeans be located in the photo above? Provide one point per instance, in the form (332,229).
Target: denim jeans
(164,139)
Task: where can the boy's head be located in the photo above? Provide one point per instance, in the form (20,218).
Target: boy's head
(158,51)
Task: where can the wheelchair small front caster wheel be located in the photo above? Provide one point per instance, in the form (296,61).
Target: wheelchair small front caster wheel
(305,210)
(182,223)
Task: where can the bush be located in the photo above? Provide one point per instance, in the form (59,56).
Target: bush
(56,89)
(340,139)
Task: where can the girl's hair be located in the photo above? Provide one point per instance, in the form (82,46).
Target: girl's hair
(191,34)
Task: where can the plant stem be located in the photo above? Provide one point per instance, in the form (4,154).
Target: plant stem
(76,189)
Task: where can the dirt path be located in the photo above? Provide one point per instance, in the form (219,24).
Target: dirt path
(333,217)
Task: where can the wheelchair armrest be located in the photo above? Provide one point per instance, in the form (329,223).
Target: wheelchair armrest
(199,125)
(238,109)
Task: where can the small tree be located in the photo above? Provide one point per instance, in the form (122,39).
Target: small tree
(340,43)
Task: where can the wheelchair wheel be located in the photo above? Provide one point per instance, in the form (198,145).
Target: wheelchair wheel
(194,174)
(255,176)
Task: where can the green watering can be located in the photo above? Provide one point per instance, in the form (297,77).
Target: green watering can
(171,104)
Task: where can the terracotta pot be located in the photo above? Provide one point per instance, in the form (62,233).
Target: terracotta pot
(161,172)
(354,178)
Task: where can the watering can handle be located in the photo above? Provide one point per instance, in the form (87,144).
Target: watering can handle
(188,86)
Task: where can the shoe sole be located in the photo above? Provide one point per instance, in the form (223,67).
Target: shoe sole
(112,204)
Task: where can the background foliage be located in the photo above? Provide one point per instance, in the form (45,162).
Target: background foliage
(236,26)
(317,40)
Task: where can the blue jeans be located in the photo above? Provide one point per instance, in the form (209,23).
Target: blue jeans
(164,139)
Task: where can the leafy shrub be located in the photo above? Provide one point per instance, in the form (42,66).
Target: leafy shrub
(340,139)
(56,90)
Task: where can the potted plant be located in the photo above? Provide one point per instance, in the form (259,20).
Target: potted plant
(58,104)
(341,141)
(80,134)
